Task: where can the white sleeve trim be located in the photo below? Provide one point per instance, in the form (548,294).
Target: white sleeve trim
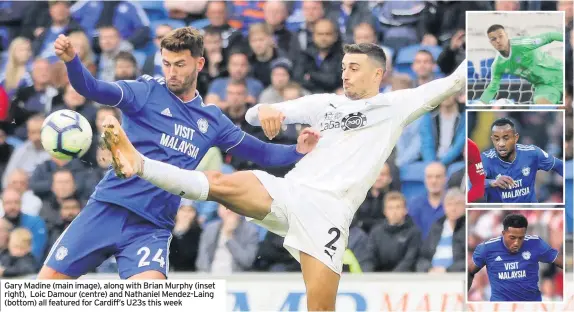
(251,116)
(122,97)
(236,143)
(476,265)
(553,163)
(557,253)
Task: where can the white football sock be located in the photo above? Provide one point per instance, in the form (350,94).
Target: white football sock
(189,184)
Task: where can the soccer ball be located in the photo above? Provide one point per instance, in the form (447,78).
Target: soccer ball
(66,134)
(503,101)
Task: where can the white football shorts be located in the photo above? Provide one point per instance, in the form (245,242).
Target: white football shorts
(312,221)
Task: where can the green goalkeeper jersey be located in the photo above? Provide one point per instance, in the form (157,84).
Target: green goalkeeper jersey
(526,61)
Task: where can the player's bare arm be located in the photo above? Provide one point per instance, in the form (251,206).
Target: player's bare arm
(559,260)
(472,270)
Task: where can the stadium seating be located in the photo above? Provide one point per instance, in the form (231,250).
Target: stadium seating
(140,58)
(412,179)
(154,9)
(405,56)
(171,22)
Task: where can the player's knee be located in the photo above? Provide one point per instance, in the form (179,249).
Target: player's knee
(148,275)
(320,297)
(320,300)
(221,185)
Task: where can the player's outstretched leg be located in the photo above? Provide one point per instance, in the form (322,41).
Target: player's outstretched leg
(321,283)
(241,191)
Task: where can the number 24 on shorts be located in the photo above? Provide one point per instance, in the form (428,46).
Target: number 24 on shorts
(146,252)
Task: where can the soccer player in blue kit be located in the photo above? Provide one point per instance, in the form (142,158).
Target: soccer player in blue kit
(511,168)
(167,120)
(512,261)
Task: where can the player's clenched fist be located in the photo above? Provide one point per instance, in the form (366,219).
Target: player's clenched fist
(307,140)
(271,120)
(64,49)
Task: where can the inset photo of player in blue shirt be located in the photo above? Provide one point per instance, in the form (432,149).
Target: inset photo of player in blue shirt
(512,261)
(522,156)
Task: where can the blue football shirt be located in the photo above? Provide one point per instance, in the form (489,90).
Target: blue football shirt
(529,159)
(514,276)
(163,128)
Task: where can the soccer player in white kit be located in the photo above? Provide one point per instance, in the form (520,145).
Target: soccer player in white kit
(312,207)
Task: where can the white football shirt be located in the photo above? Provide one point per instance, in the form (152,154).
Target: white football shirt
(357,135)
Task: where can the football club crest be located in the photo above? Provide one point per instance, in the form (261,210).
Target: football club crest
(526,255)
(526,171)
(202,125)
(61,253)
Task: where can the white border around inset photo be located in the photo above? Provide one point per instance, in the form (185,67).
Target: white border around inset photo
(489,48)
(560,111)
(512,306)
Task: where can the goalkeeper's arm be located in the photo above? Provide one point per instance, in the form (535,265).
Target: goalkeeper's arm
(493,86)
(535,42)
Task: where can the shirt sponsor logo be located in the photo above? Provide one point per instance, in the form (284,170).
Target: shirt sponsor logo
(354,121)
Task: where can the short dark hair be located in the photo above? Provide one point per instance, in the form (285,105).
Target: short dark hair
(503,122)
(427,52)
(184,38)
(237,83)
(126,56)
(108,26)
(237,51)
(494,27)
(514,220)
(63,170)
(370,49)
(114,110)
(74,196)
(54,2)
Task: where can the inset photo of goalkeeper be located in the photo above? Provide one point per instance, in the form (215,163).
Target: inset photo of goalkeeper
(516,255)
(515,157)
(515,58)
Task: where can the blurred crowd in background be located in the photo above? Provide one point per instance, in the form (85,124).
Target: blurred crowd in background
(412,219)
